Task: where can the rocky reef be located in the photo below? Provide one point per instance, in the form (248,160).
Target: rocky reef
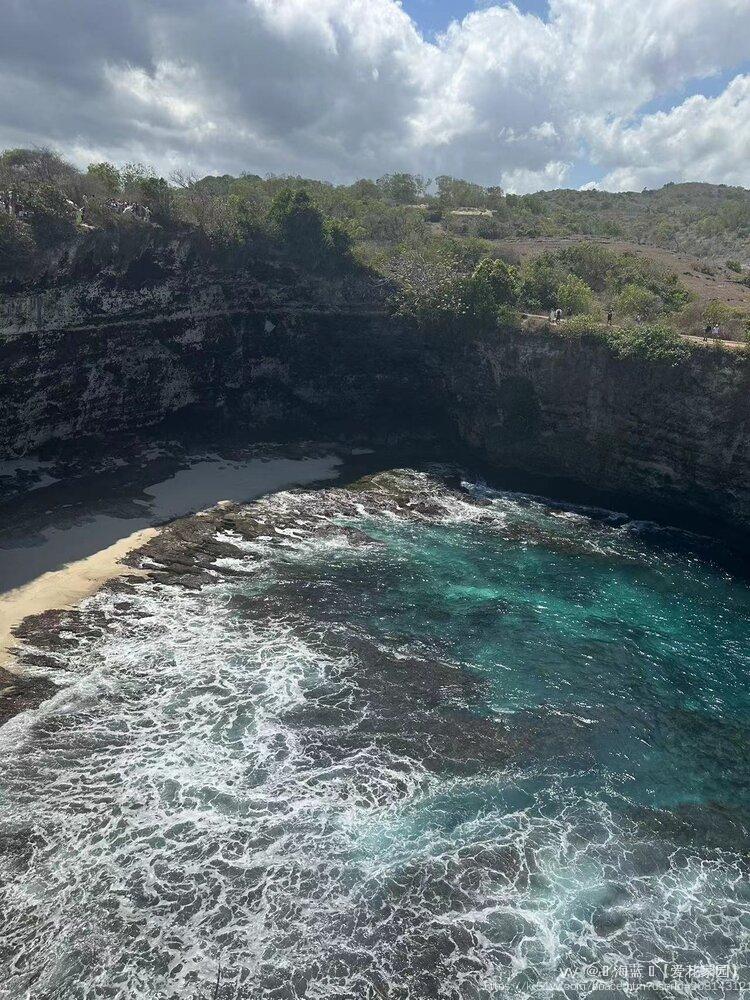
(282,354)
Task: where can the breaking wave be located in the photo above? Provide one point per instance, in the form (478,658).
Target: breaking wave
(409,739)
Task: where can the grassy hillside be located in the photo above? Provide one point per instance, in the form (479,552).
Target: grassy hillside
(440,251)
(707,220)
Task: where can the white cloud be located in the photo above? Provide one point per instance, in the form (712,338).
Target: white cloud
(522,181)
(345,88)
(703,138)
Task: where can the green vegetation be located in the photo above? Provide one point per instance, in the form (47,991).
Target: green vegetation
(575,296)
(430,248)
(305,231)
(650,341)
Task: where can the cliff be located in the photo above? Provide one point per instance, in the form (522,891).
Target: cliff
(674,434)
(279,354)
(271,352)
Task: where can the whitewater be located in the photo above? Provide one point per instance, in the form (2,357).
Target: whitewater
(407,738)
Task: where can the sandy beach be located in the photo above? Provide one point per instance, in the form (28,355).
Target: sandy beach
(64,588)
(66,540)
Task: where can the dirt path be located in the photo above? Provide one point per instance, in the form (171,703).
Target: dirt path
(732,345)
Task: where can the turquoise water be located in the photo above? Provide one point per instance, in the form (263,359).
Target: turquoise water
(413,740)
(648,651)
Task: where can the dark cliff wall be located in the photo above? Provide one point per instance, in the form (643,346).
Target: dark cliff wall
(75,364)
(278,359)
(678,434)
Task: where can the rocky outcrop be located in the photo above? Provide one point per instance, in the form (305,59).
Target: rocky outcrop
(676,434)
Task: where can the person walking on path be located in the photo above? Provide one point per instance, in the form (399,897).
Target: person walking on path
(609,318)
(707,332)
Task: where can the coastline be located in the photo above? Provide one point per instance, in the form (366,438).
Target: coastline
(64,588)
(69,538)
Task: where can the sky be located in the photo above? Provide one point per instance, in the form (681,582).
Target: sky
(433,16)
(615,94)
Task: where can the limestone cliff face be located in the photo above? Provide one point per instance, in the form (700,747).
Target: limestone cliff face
(280,355)
(273,357)
(675,433)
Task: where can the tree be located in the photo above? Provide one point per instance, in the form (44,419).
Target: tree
(575,296)
(593,263)
(305,230)
(502,279)
(298,222)
(365,189)
(155,194)
(540,280)
(30,168)
(635,300)
(404,189)
(133,175)
(455,193)
(106,177)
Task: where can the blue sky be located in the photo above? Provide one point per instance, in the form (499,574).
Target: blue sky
(434,16)
(624,93)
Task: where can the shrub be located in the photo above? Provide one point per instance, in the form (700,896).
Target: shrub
(28,169)
(307,233)
(106,178)
(156,195)
(16,246)
(635,300)
(337,239)
(654,342)
(593,263)
(577,326)
(540,279)
(298,222)
(735,266)
(502,280)
(52,215)
(436,290)
(717,313)
(575,296)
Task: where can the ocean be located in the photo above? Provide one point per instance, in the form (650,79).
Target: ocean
(412,737)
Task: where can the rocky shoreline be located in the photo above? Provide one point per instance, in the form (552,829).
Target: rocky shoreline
(197,550)
(278,695)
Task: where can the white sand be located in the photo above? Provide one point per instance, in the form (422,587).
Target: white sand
(64,588)
(87,552)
